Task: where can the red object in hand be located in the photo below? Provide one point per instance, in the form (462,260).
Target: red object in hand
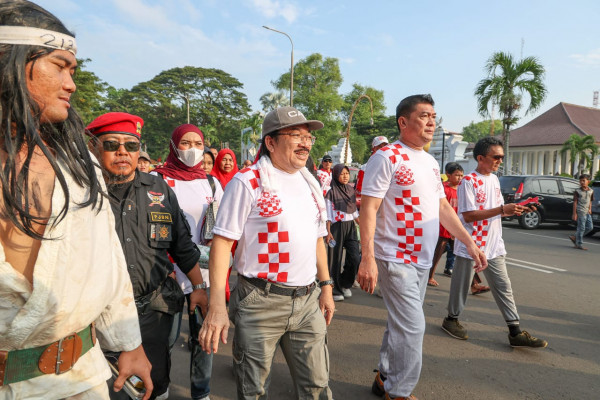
(532,200)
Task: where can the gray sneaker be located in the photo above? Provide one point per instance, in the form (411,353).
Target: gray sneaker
(524,339)
(347,293)
(455,329)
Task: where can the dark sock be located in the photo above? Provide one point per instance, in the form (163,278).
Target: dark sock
(514,330)
(449,318)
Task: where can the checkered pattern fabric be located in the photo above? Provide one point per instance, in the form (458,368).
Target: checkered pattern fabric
(274,242)
(269,205)
(410,237)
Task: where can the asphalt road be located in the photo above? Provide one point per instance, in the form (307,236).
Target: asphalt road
(557,290)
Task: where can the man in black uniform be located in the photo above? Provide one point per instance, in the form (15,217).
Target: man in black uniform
(151,226)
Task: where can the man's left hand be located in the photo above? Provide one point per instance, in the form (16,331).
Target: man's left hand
(326,303)
(199,298)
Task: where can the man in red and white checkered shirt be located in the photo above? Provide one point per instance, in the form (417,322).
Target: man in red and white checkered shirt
(276,211)
(481,208)
(403,203)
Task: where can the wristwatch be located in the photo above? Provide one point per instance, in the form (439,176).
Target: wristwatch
(327,282)
(200,286)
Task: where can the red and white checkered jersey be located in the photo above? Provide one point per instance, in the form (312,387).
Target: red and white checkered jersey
(409,183)
(481,192)
(277,232)
(334,215)
(324,180)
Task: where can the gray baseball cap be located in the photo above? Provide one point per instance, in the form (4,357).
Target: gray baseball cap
(286,117)
(145,155)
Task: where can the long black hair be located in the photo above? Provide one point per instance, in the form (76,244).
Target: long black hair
(20,127)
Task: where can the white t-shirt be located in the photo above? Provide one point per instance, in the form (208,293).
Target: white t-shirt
(334,215)
(409,183)
(324,180)
(277,232)
(481,192)
(194,198)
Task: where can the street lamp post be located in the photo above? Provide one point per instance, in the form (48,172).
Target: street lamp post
(291,67)
(362,96)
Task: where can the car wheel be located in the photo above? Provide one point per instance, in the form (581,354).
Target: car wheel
(530,220)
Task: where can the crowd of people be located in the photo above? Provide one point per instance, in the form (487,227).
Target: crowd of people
(101,254)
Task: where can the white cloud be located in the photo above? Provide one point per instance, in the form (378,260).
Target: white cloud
(592,58)
(275,8)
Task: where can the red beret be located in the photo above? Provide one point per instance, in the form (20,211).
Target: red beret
(116,122)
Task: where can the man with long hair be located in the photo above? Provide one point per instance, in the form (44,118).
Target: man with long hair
(64,278)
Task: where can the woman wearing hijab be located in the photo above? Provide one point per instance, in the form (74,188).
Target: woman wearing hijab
(195,190)
(225,166)
(341,232)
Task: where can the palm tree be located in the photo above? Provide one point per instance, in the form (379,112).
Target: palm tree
(583,147)
(255,123)
(505,85)
(271,101)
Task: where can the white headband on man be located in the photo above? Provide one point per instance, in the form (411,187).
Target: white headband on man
(37,37)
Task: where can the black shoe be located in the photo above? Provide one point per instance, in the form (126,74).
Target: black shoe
(448,272)
(377,387)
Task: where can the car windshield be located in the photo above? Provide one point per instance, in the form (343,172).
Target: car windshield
(510,184)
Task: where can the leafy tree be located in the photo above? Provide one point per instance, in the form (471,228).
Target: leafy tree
(361,120)
(89,97)
(214,98)
(316,84)
(505,85)
(477,130)
(582,147)
(271,101)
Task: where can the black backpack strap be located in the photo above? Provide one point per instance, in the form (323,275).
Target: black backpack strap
(211,181)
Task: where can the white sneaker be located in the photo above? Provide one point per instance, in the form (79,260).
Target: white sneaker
(338,297)
(347,293)
(205,398)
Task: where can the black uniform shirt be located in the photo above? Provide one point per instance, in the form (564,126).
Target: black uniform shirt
(150,223)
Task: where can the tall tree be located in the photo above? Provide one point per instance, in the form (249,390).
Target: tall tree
(214,97)
(316,84)
(506,82)
(477,130)
(583,148)
(89,97)
(271,101)
(361,125)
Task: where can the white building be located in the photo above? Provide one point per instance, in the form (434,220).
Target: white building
(535,147)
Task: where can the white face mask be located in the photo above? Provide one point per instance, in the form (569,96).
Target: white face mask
(191,157)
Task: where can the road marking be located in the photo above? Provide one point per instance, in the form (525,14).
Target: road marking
(549,237)
(537,265)
(524,266)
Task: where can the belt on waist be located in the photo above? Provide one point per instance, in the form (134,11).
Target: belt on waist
(292,291)
(56,358)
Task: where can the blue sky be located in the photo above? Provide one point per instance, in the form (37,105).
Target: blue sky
(402,48)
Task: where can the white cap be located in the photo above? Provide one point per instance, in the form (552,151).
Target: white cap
(379,140)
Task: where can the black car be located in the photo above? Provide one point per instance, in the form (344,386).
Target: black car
(555,195)
(596,208)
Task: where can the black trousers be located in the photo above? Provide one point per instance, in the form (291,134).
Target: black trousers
(344,233)
(155,327)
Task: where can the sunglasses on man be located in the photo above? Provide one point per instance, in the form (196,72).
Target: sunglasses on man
(113,145)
